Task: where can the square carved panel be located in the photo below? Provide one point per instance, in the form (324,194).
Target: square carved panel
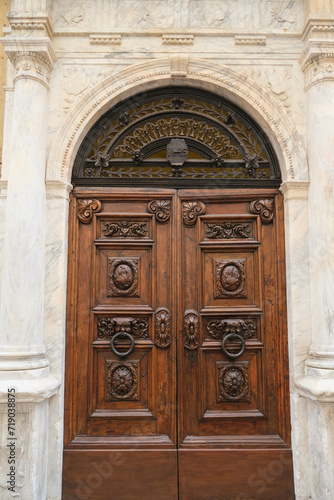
(230,278)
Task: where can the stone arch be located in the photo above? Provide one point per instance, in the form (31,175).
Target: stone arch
(197,73)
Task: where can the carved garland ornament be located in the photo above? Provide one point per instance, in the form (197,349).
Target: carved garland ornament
(191,210)
(233,383)
(263,208)
(227,230)
(86,209)
(123,277)
(230,278)
(122,381)
(161,209)
(124,229)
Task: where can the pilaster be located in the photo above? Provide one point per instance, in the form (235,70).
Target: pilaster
(24,368)
(316,384)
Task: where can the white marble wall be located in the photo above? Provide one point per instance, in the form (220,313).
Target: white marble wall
(248,51)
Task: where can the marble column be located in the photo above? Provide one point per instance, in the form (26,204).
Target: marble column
(317,384)
(23,366)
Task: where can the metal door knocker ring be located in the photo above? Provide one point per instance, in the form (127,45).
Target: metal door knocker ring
(122,354)
(233,336)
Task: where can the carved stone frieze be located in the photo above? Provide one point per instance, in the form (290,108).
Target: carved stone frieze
(161,209)
(230,278)
(233,382)
(123,277)
(191,331)
(263,208)
(124,229)
(218,328)
(137,327)
(228,230)
(122,380)
(162,327)
(86,209)
(191,210)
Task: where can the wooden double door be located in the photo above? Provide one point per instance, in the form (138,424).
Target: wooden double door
(176,360)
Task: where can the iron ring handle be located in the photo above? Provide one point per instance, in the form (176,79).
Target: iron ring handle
(231,354)
(122,354)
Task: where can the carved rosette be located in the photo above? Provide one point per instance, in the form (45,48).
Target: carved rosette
(230,278)
(191,210)
(227,230)
(86,209)
(263,208)
(161,209)
(124,229)
(122,381)
(233,382)
(137,327)
(191,329)
(162,327)
(218,328)
(123,277)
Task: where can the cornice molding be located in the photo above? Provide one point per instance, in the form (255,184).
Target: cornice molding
(295,190)
(30,21)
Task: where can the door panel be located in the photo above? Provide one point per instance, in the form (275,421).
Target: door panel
(192,283)
(122,294)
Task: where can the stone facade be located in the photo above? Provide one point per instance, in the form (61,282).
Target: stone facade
(70,61)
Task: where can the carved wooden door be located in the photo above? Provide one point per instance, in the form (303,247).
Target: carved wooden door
(176,363)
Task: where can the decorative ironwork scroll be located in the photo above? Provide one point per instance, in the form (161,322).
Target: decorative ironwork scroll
(150,139)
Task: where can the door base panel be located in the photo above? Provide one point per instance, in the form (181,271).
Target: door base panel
(236,475)
(120,475)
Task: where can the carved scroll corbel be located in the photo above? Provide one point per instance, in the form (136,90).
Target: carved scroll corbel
(86,210)
(161,209)
(263,208)
(191,210)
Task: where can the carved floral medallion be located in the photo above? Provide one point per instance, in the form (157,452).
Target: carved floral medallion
(233,382)
(122,381)
(162,327)
(191,329)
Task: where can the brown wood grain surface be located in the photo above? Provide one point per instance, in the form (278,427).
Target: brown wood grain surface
(195,280)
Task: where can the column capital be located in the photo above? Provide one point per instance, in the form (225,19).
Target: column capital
(32,58)
(317,59)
